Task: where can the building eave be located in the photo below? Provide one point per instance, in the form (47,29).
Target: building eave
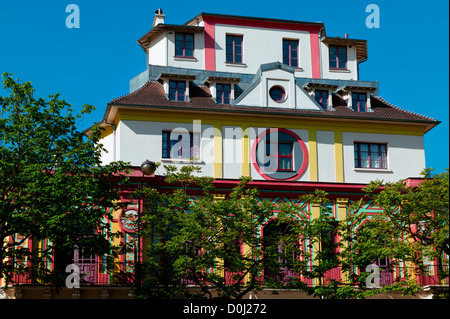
(145,40)
(112,110)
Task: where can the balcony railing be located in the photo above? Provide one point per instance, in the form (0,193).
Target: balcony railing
(123,274)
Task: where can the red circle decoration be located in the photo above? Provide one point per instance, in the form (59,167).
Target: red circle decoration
(128,219)
(304,152)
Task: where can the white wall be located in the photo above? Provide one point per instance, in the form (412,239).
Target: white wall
(405,157)
(326,156)
(188,63)
(157,52)
(232,151)
(141,140)
(108,144)
(261,45)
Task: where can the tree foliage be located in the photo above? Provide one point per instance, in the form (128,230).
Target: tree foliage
(420,213)
(238,242)
(214,243)
(52,182)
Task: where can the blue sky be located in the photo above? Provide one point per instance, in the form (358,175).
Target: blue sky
(407,55)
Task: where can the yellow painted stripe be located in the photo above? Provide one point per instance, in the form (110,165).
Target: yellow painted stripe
(281,122)
(338,157)
(313,167)
(255,121)
(245,152)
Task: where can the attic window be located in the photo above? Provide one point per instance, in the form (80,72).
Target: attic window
(338,57)
(184,44)
(359,102)
(223,93)
(321,97)
(177,90)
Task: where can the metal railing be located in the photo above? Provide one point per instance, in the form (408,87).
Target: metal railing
(100,273)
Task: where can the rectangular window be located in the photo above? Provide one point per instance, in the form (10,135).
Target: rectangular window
(290,52)
(321,97)
(370,155)
(359,102)
(223,93)
(234,48)
(177,90)
(338,57)
(184,44)
(180,145)
(282,155)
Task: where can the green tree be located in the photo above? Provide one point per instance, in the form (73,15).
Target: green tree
(52,184)
(213,243)
(336,253)
(419,212)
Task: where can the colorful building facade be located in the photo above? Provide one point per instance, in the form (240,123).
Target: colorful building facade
(279,101)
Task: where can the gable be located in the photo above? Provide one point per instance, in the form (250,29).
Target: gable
(275,86)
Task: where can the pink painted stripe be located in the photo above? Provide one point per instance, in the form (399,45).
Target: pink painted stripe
(210,53)
(315,53)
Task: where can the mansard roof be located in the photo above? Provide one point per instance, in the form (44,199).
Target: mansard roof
(152,96)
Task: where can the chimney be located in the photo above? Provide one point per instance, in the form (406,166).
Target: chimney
(346,36)
(159,17)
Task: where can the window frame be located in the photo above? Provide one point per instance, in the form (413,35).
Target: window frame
(358,107)
(167,144)
(381,161)
(184,55)
(289,52)
(337,59)
(274,96)
(233,48)
(222,98)
(277,155)
(319,101)
(177,93)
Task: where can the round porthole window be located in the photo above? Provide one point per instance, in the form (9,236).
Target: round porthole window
(277,94)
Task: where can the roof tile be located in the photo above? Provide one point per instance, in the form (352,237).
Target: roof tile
(152,94)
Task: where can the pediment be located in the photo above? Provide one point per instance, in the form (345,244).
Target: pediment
(275,86)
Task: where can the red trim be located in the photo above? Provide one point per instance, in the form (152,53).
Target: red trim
(300,142)
(209,27)
(210,55)
(315,53)
(262,24)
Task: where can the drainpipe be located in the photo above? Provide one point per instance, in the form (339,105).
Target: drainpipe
(357,66)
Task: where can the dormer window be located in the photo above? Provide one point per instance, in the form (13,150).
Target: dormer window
(359,101)
(222,88)
(176,86)
(223,93)
(177,90)
(338,57)
(321,97)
